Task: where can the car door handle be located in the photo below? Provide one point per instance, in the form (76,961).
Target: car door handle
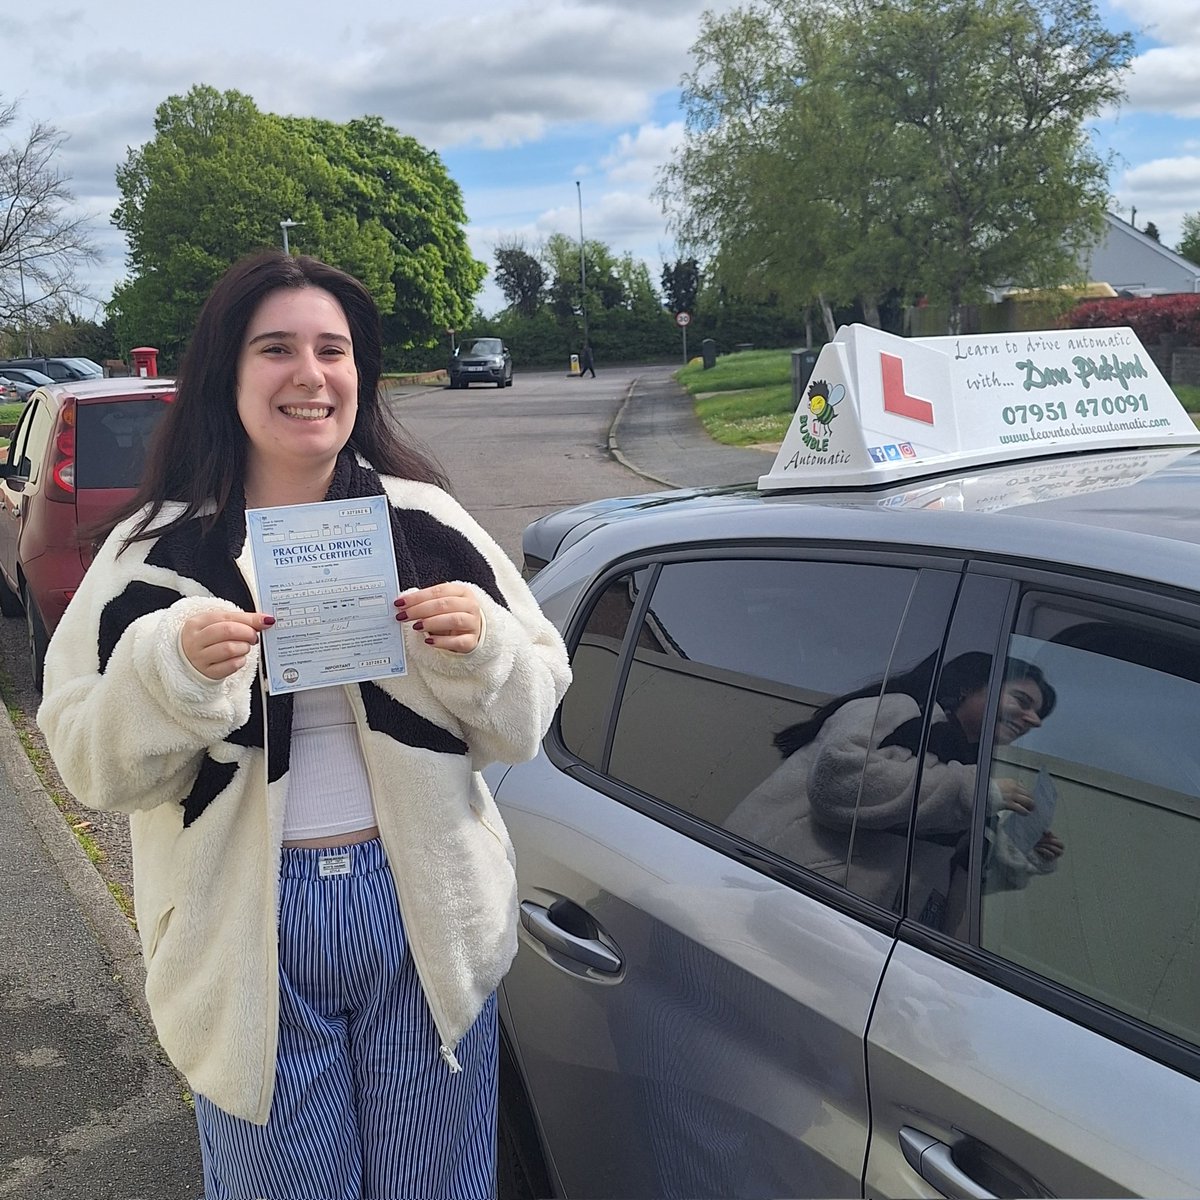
(934,1162)
(585,946)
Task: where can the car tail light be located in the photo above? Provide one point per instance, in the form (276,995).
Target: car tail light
(63,470)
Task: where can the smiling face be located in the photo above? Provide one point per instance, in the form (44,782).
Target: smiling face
(297,394)
(1020,707)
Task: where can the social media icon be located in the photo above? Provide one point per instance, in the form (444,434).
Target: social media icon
(906,448)
(893,452)
(876,453)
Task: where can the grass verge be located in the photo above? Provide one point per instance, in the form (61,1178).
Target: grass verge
(737,372)
(1189,396)
(746,399)
(747,417)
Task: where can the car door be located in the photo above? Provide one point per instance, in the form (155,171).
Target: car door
(24,463)
(689,1004)
(1045,1041)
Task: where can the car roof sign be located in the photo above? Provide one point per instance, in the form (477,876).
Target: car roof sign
(880,408)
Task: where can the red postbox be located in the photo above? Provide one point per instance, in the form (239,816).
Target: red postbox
(145,361)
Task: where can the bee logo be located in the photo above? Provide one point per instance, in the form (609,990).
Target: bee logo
(823,401)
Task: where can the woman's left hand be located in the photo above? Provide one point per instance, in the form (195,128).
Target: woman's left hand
(447,615)
(1049,846)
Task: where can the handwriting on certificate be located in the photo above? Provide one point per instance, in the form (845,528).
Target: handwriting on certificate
(327,573)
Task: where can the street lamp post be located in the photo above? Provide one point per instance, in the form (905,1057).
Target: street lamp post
(582,274)
(286,224)
(24,304)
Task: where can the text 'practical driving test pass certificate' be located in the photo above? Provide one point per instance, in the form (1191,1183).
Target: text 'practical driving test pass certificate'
(327,573)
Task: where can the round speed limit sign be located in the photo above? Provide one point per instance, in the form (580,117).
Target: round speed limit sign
(682,319)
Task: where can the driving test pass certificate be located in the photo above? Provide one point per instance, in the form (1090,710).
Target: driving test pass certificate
(327,573)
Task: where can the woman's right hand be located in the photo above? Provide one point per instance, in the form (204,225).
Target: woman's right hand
(1014,795)
(216,643)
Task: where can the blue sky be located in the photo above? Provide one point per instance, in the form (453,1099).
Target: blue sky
(520,102)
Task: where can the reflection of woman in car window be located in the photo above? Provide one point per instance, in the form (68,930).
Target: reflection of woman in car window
(823,811)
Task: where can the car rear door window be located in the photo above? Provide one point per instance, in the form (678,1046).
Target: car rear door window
(1096,887)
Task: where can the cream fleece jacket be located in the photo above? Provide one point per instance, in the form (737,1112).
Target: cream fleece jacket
(201,767)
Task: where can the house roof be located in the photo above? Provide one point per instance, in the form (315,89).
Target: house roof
(1130,260)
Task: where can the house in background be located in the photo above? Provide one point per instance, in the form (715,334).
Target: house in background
(1124,262)
(1136,265)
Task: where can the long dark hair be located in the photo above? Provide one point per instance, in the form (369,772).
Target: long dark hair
(959,678)
(199,453)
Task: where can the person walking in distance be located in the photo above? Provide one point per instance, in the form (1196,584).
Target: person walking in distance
(325,889)
(586,362)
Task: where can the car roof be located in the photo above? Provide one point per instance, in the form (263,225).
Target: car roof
(1130,513)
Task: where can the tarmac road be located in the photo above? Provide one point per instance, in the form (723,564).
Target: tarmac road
(550,442)
(89,1108)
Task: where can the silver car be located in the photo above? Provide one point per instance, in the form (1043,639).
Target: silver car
(23,382)
(861,857)
(481,360)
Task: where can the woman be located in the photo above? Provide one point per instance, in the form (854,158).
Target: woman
(324,887)
(820,803)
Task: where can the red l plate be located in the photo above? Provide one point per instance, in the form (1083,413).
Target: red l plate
(895,398)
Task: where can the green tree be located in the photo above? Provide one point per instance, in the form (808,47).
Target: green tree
(868,149)
(399,193)
(1189,246)
(218,177)
(69,334)
(987,101)
(637,289)
(681,284)
(521,277)
(604,288)
(772,183)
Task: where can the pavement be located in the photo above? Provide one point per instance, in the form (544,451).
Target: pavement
(90,1109)
(656,433)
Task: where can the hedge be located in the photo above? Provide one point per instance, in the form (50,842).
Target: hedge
(1153,318)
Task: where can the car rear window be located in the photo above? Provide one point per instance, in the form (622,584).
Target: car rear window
(112,438)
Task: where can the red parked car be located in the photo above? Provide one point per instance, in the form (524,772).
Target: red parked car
(77,452)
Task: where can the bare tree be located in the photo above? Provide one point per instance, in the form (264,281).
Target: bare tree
(43,241)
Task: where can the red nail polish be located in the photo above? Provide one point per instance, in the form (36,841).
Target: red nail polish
(418,624)
(429,641)
(268,620)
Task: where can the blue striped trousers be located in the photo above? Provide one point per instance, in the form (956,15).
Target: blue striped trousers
(364,1107)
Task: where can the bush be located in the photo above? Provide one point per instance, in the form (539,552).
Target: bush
(1152,318)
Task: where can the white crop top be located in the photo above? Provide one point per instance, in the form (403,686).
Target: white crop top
(328,788)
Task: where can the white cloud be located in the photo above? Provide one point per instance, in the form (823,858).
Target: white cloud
(637,156)
(1163,191)
(1166,80)
(1172,178)
(526,96)
(1164,20)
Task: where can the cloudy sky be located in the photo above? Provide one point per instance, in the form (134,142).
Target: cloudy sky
(521,103)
